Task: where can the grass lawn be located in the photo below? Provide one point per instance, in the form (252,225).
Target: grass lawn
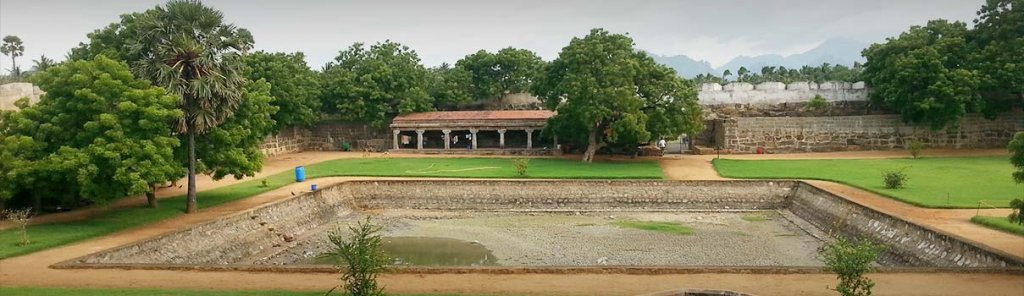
(999,223)
(9,291)
(934,182)
(47,236)
(663,227)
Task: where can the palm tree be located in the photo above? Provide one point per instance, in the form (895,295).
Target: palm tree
(43,63)
(13,47)
(188,49)
(741,74)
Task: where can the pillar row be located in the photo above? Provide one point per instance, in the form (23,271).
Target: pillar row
(447,138)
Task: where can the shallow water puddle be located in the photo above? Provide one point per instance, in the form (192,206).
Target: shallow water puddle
(433,251)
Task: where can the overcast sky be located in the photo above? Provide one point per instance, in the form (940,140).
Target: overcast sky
(444,31)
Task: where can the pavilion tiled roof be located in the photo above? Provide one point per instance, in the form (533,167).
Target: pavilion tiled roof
(476,115)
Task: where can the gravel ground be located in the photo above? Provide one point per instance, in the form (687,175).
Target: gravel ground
(577,239)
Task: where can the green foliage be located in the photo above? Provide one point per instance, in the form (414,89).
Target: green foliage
(362,256)
(346,146)
(373,85)
(817,103)
(922,74)
(521,165)
(894,179)
(998,37)
(656,226)
(296,87)
(974,179)
(851,261)
(999,223)
(233,147)
(819,74)
(1016,148)
(510,70)
(449,87)
(14,48)
(607,92)
(42,64)
(1017,215)
(98,132)
(915,147)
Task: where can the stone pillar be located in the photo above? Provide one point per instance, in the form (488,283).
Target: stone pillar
(447,138)
(394,138)
(529,138)
(501,138)
(473,131)
(419,139)
(554,145)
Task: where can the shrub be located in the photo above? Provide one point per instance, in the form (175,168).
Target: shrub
(361,257)
(521,165)
(850,260)
(895,179)
(20,219)
(1016,148)
(817,103)
(1017,214)
(915,147)
(346,147)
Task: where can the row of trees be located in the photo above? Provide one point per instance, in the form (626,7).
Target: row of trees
(13,47)
(936,73)
(824,72)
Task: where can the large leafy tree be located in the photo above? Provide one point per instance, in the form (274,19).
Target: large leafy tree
(296,87)
(233,147)
(187,48)
(449,87)
(375,84)
(493,75)
(607,92)
(1016,148)
(98,132)
(925,75)
(14,48)
(998,36)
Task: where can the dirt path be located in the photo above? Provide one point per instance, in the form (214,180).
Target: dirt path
(33,270)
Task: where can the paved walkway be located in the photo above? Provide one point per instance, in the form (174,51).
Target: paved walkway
(32,269)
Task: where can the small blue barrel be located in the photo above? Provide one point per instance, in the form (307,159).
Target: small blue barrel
(300,173)
(312,187)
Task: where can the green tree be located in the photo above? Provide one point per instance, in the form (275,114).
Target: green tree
(742,75)
(924,75)
(1017,156)
(373,85)
(726,74)
(14,48)
(449,87)
(295,87)
(187,48)
(232,148)
(98,131)
(42,64)
(851,261)
(607,92)
(510,70)
(361,255)
(998,36)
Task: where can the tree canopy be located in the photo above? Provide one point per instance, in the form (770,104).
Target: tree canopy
(449,87)
(14,48)
(294,86)
(233,147)
(492,75)
(98,132)
(607,92)
(375,84)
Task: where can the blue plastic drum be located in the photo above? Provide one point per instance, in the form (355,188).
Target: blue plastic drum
(300,173)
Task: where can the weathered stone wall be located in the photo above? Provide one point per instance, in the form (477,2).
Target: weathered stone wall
(869,132)
(289,140)
(12,92)
(778,92)
(328,136)
(572,195)
(907,244)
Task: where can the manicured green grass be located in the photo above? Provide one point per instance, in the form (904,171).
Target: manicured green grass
(13,291)
(999,223)
(934,182)
(656,226)
(52,235)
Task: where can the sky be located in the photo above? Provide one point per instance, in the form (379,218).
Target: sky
(446,30)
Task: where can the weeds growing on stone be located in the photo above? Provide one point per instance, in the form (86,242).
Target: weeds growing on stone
(656,226)
(755,217)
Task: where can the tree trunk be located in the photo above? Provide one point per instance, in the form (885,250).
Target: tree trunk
(14,67)
(151,197)
(190,205)
(592,146)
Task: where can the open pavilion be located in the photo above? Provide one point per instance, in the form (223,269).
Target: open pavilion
(483,132)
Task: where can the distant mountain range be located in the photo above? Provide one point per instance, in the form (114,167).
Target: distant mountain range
(833,51)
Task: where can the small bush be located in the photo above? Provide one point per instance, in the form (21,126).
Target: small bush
(817,103)
(1017,214)
(346,147)
(895,179)
(20,219)
(915,147)
(851,260)
(361,256)
(521,165)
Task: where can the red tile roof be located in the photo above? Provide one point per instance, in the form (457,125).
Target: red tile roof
(476,115)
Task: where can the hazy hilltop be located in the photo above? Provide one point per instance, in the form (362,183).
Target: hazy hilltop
(833,51)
